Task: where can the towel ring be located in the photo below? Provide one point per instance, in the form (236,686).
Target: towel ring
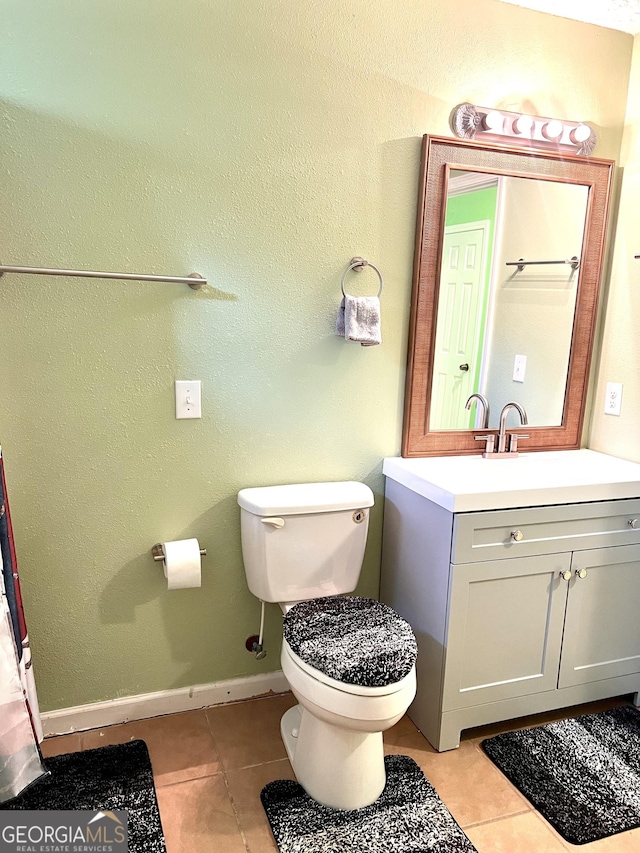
(359,262)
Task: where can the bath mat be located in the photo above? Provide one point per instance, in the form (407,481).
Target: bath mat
(408,817)
(110,778)
(582,775)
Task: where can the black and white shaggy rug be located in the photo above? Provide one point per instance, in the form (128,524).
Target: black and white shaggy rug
(408,817)
(582,775)
(109,778)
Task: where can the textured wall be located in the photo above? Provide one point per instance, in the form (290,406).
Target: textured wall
(620,351)
(263,144)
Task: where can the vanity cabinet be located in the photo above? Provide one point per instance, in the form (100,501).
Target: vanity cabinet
(516,611)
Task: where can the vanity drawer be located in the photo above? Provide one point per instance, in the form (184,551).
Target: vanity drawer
(499,534)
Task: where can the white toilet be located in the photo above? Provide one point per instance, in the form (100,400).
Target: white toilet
(350,661)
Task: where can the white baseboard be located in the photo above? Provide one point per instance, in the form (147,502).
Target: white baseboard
(100,714)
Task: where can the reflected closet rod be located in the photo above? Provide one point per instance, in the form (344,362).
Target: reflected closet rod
(195,280)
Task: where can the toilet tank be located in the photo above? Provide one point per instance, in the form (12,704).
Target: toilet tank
(304,541)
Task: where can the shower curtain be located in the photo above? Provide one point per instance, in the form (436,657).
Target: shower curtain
(20,727)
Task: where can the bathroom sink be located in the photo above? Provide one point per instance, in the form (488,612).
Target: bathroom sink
(471,483)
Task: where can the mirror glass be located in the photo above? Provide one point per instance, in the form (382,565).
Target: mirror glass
(504,329)
(489,313)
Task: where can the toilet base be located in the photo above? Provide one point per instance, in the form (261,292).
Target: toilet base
(340,768)
(289,724)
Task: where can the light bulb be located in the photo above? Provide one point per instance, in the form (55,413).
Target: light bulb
(522,125)
(580,134)
(493,121)
(552,129)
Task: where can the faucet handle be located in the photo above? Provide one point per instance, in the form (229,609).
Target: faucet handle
(513,441)
(490,440)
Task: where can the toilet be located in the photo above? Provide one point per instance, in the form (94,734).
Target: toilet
(350,661)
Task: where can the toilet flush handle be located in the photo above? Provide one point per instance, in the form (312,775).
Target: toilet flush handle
(274,522)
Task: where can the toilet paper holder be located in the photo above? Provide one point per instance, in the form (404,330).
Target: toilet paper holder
(158,553)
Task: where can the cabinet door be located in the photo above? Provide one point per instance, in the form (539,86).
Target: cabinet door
(504,630)
(602,625)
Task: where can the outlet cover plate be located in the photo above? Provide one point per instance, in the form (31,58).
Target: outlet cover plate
(613,398)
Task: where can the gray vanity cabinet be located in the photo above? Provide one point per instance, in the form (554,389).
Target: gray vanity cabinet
(602,623)
(516,611)
(504,629)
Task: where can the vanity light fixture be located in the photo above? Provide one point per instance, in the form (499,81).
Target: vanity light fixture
(522,125)
(471,122)
(493,122)
(552,129)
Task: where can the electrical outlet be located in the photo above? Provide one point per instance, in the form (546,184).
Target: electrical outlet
(613,398)
(188,398)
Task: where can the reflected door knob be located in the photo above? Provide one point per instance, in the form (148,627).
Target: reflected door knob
(464,367)
(517,535)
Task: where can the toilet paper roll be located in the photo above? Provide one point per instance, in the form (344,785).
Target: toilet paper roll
(182,563)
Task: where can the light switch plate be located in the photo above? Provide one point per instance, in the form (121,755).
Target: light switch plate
(519,367)
(188,398)
(613,398)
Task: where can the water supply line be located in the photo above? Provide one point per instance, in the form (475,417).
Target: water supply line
(258,650)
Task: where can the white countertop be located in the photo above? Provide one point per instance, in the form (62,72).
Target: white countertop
(470,483)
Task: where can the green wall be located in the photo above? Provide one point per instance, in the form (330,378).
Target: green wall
(262,144)
(620,350)
(476,206)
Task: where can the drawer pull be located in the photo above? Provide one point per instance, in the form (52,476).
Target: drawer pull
(566,575)
(633,523)
(517,535)
(581,573)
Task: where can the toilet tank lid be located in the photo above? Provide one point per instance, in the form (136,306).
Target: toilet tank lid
(301,498)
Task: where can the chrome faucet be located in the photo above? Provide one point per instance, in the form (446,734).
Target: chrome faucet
(485,408)
(502,433)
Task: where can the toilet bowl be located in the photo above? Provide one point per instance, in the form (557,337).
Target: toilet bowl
(334,736)
(349,661)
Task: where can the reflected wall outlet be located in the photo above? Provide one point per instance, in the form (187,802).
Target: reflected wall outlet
(613,398)
(519,367)
(188,399)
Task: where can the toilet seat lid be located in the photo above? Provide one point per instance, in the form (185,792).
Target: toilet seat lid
(352,640)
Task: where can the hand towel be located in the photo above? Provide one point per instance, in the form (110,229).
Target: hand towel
(359,320)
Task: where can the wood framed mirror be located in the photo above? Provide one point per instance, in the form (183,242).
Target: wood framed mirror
(507,271)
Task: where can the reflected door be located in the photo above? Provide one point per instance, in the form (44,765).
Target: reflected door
(461,304)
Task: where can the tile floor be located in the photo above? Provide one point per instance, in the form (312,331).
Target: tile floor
(210,766)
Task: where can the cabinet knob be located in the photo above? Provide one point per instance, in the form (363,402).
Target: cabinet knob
(566,575)
(581,573)
(634,523)
(517,535)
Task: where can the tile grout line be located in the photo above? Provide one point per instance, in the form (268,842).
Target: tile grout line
(566,844)
(494,819)
(235,812)
(225,781)
(529,805)
(251,766)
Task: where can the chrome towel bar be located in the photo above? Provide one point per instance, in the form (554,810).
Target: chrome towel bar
(521,263)
(194,280)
